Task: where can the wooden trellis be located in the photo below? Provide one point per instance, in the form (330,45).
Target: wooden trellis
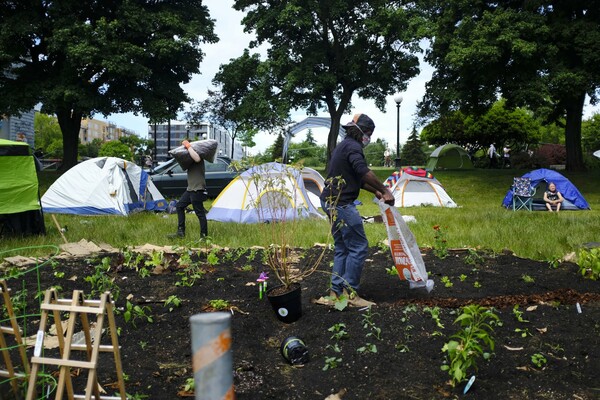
(78,309)
(12,330)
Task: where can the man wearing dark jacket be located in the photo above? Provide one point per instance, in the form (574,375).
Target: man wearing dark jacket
(351,244)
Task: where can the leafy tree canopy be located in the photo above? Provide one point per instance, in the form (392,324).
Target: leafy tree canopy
(115,148)
(80,58)
(498,125)
(412,152)
(542,54)
(322,53)
(46,130)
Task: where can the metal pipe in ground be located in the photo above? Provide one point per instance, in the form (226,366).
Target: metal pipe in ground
(212,358)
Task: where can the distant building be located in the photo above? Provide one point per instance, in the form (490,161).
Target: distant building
(105,131)
(18,128)
(179,131)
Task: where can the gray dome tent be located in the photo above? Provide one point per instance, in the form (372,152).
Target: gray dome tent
(449,156)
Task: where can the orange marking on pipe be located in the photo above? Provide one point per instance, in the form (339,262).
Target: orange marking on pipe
(230,395)
(211,351)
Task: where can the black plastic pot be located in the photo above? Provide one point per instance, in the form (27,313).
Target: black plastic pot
(294,351)
(286,304)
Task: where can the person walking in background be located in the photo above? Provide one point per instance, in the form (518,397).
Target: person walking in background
(351,244)
(387,161)
(506,157)
(492,154)
(195,194)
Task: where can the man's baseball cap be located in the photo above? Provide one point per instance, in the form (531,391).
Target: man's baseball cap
(362,121)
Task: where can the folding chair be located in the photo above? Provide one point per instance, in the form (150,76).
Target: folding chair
(522,194)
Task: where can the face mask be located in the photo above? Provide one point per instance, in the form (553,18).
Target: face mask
(366,139)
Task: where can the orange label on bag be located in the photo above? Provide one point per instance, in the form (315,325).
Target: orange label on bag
(389,216)
(401,260)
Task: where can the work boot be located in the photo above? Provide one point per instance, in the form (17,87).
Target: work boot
(178,234)
(354,300)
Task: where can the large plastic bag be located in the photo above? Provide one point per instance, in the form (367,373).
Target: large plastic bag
(405,251)
(207,149)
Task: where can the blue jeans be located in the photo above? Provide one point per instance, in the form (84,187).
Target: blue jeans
(351,247)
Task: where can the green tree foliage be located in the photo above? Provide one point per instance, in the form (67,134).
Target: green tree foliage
(47,131)
(277,149)
(374,152)
(91,149)
(80,58)
(590,133)
(542,54)
(115,148)
(322,53)
(310,139)
(412,152)
(138,146)
(498,125)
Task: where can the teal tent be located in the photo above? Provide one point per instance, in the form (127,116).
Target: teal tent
(20,209)
(449,156)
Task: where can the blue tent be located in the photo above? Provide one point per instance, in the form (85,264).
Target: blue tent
(539,179)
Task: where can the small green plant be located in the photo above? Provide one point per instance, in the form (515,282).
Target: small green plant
(190,385)
(332,362)
(473,258)
(189,275)
(367,348)
(476,284)
(539,360)
(446,281)
(553,262)
(440,247)
(391,271)
(334,347)
(59,274)
(523,332)
(102,282)
(402,348)
(133,313)
(219,304)
(156,259)
(212,258)
(172,301)
(470,343)
(143,344)
(143,272)
(435,315)
(589,263)
(527,278)
(518,314)
(462,277)
(369,324)
(247,268)
(338,331)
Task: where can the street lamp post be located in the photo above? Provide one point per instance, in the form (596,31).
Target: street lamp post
(398,99)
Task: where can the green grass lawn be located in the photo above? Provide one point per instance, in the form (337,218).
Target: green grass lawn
(479,222)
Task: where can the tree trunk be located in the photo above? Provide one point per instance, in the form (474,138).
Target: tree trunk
(335,114)
(573,134)
(69,121)
(232,145)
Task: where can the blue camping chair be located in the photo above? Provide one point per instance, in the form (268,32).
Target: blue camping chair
(522,194)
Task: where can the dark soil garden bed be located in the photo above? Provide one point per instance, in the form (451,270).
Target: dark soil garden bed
(156,356)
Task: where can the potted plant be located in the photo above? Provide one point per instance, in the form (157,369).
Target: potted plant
(280,200)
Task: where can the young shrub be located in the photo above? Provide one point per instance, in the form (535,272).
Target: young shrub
(470,343)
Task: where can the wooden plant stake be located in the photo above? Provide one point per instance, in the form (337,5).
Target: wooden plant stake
(14,330)
(77,307)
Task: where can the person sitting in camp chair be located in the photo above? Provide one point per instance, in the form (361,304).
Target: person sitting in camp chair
(553,198)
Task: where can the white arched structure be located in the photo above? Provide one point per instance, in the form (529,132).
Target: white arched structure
(310,122)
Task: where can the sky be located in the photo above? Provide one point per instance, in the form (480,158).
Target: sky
(231,44)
